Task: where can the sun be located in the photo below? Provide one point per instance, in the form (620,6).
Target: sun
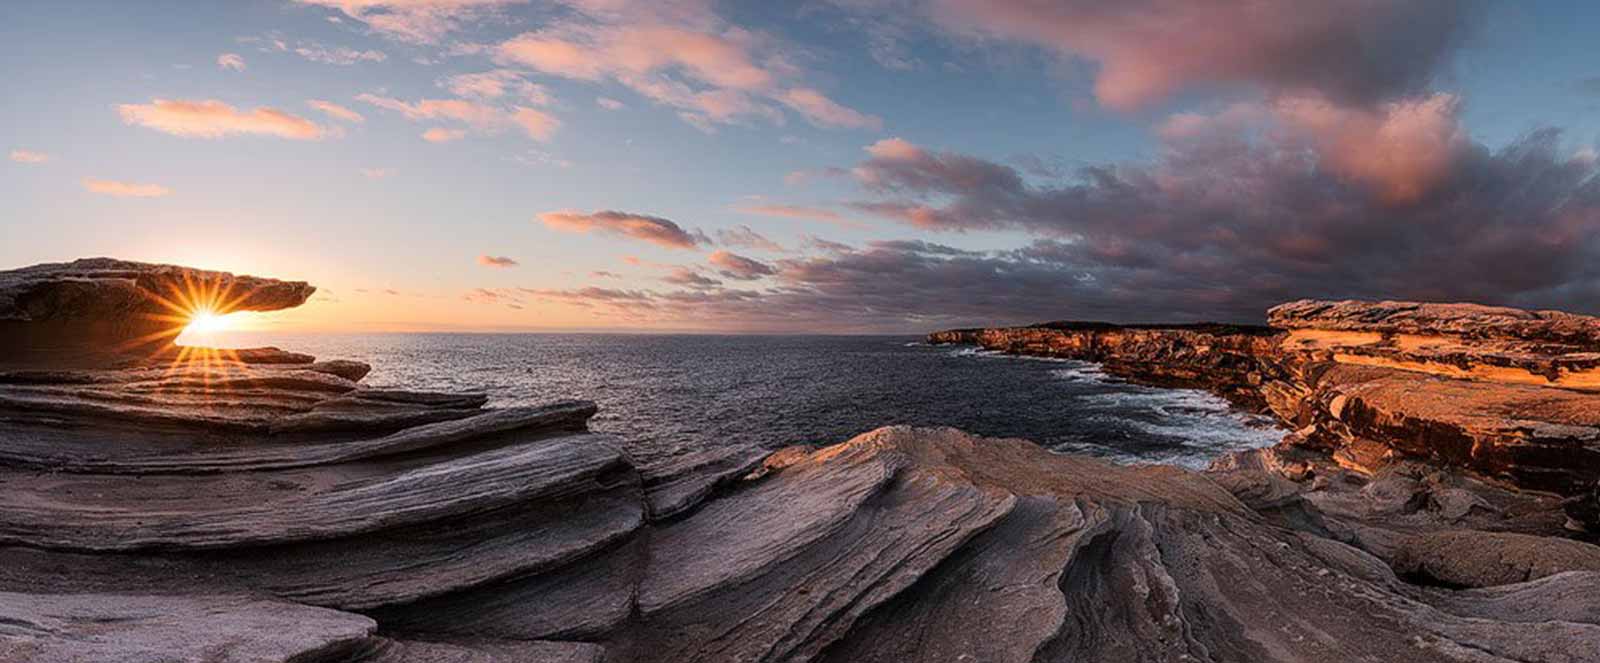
(206,322)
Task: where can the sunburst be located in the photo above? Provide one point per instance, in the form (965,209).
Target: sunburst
(194,303)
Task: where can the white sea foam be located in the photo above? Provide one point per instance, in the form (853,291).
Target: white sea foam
(1206,424)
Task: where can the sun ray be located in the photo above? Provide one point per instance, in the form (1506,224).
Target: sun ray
(192,304)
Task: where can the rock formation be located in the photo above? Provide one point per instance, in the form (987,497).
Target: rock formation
(1508,395)
(264,506)
(96,309)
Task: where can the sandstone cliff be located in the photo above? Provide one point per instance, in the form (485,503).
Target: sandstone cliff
(264,506)
(1507,395)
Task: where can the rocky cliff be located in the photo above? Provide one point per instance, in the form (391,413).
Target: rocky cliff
(265,506)
(1508,395)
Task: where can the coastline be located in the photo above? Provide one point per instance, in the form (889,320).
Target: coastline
(264,505)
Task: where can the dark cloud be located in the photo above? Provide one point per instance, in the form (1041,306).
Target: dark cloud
(891,287)
(1256,221)
(653,229)
(920,246)
(689,278)
(1226,223)
(742,237)
(735,266)
(829,246)
(496,261)
(1356,52)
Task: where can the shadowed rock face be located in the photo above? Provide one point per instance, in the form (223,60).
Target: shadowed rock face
(100,307)
(263,506)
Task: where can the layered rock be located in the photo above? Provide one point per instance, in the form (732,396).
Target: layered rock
(262,506)
(1506,394)
(1226,359)
(99,310)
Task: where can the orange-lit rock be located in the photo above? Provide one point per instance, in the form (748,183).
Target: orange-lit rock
(1509,394)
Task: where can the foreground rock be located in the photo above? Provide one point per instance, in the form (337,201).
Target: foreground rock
(262,506)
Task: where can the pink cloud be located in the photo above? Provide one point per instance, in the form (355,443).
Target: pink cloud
(735,266)
(679,55)
(460,110)
(643,227)
(894,148)
(336,111)
(824,112)
(480,116)
(608,103)
(1403,149)
(537,124)
(29,156)
(231,61)
(496,84)
(442,135)
(497,262)
(125,189)
(214,119)
(1354,51)
(422,21)
(799,212)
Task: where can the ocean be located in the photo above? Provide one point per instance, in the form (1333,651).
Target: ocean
(674,393)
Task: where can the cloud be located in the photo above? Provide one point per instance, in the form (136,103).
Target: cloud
(376,173)
(336,111)
(232,61)
(895,288)
(1397,203)
(743,237)
(124,189)
(735,266)
(1404,149)
(537,124)
(420,21)
(28,156)
(496,84)
(339,55)
(680,55)
(478,115)
(799,212)
(689,278)
(313,50)
(459,110)
(498,262)
(1355,52)
(442,135)
(824,112)
(643,227)
(608,103)
(215,119)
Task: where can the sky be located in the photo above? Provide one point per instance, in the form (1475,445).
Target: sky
(833,166)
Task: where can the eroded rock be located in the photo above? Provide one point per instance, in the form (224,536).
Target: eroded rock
(284,512)
(93,310)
